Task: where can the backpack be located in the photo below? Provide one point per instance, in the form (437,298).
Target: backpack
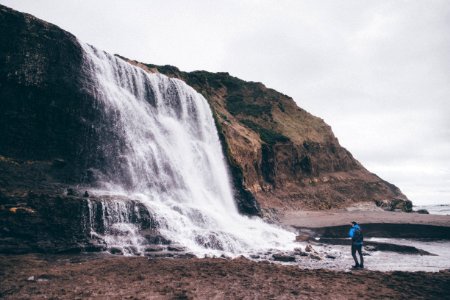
(357,236)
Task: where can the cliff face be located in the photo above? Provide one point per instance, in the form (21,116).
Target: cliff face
(280,156)
(47,118)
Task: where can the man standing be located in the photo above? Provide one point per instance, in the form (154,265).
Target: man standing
(357,241)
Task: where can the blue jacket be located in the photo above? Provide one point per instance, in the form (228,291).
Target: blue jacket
(352,232)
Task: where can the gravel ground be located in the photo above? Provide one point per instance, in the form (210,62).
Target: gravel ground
(99,276)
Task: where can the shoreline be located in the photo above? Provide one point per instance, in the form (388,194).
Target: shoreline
(385,230)
(389,236)
(116,277)
(330,218)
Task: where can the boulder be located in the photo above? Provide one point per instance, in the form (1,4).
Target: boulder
(154,248)
(315,256)
(176,248)
(309,248)
(300,252)
(303,237)
(115,250)
(396,204)
(283,257)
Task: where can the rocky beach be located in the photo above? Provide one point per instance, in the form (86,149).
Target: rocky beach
(115,277)
(405,274)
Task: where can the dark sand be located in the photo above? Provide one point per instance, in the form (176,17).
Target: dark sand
(116,277)
(327,218)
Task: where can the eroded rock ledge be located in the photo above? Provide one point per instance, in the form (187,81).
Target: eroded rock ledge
(48,223)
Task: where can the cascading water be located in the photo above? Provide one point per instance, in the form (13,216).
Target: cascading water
(115,222)
(170,160)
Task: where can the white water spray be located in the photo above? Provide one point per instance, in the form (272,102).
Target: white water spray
(171,160)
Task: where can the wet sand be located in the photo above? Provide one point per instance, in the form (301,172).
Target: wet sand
(315,219)
(117,277)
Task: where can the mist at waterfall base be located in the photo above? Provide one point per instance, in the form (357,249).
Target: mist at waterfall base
(167,155)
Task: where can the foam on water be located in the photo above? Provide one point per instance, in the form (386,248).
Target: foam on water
(171,161)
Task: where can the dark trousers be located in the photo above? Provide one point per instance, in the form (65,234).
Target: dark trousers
(359,249)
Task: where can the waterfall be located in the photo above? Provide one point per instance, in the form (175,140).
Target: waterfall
(165,153)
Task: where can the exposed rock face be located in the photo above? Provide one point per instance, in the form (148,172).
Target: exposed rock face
(395,205)
(51,223)
(44,112)
(279,153)
(280,156)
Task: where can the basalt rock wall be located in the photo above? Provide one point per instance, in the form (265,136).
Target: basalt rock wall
(49,223)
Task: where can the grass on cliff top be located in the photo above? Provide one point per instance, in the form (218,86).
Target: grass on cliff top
(243,98)
(268,136)
(237,105)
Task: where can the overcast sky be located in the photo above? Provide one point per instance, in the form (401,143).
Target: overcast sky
(378,71)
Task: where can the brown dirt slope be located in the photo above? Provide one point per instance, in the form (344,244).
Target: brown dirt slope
(79,277)
(284,156)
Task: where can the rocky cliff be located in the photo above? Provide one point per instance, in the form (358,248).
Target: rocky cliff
(280,156)
(284,157)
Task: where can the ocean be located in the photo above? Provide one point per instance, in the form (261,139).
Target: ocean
(435,209)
